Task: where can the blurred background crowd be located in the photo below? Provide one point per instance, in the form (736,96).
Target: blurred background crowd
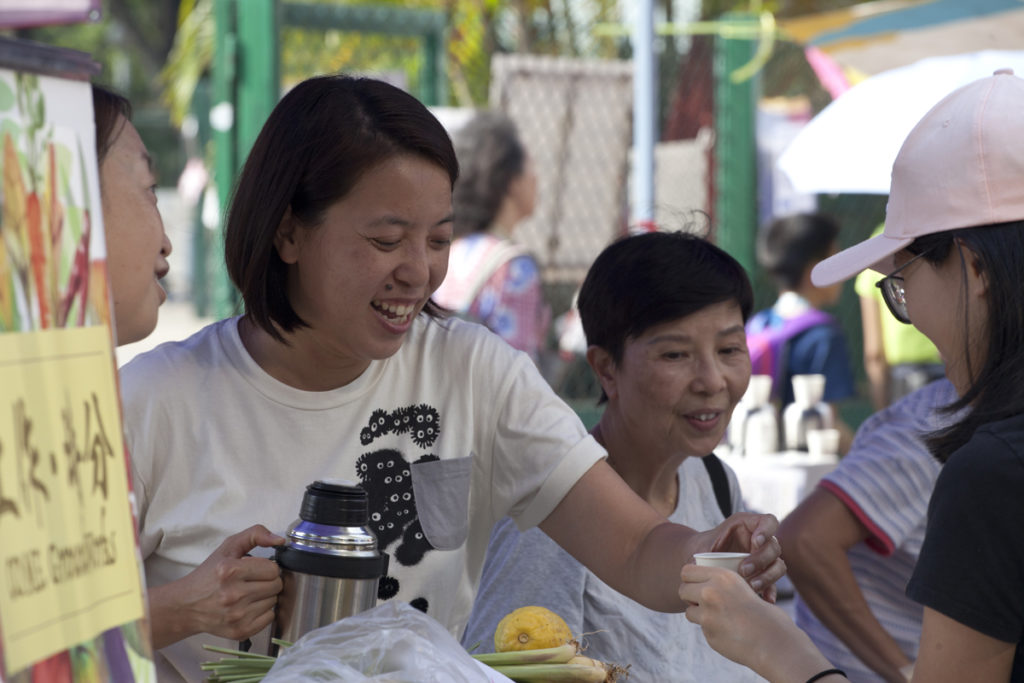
(734,85)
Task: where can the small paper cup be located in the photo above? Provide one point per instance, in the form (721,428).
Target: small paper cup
(727,560)
(822,442)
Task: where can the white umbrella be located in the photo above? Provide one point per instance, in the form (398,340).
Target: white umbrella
(851,144)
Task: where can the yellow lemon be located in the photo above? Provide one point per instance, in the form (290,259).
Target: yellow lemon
(530,628)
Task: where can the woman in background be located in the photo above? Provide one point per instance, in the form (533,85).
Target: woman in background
(491,278)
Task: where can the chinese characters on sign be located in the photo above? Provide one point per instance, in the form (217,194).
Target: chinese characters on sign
(68,564)
(71,590)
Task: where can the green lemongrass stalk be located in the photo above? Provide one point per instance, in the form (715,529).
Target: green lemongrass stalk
(554,673)
(241,667)
(236,653)
(240,663)
(247,678)
(549,655)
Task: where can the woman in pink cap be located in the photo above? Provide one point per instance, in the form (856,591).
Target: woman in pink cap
(953,254)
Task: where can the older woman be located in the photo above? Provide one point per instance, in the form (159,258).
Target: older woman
(664,318)
(137,246)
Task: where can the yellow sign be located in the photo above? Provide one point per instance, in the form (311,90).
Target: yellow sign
(68,562)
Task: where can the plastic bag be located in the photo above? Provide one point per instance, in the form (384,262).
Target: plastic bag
(393,642)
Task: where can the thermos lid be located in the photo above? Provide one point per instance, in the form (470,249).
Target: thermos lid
(335,503)
(330,537)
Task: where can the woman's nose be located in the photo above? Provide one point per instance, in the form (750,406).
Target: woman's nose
(414,269)
(165,246)
(709,378)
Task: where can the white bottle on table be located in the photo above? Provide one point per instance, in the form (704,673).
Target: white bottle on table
(807,411)
(758,430)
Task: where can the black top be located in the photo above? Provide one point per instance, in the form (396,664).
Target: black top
(971,566)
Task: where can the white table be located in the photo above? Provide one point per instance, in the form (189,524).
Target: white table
(777,482)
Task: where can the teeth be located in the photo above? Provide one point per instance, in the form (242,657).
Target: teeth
(705,417)
(398,310)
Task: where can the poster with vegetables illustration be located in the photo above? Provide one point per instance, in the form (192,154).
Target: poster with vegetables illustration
(72,604)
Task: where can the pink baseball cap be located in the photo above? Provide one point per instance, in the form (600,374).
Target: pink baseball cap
(961,166)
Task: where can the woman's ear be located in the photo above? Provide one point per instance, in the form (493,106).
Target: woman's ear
(603,365)
(287,238)
(977,274)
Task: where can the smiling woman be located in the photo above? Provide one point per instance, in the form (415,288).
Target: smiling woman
(663,315)
(137,246)
(342,368)
(386,245)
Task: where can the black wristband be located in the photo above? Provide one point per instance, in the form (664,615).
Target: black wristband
(826,672)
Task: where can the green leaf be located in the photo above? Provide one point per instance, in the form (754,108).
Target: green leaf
(6,96)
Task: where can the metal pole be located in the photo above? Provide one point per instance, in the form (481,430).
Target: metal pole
(259,85)
(222,122)
(645,109)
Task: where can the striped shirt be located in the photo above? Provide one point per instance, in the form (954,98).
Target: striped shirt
(886,481)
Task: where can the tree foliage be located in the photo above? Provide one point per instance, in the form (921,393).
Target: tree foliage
(131,41)
(478,29)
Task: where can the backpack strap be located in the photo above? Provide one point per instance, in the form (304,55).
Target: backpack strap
(719,482)
(497,255)
(772,359)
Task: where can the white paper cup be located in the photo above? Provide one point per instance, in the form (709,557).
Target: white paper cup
(727,560)
(822,442)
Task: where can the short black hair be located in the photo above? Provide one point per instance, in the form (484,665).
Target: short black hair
(109,108)
(491,156)
(317,143)
(645,280)
(788,246)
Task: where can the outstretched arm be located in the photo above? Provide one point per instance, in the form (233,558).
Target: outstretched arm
(816,537)
(875,365)
(952,652)
(628,545)
(229,595)
(747,630)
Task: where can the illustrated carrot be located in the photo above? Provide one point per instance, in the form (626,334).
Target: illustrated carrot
(13,265)
(38,256)
(54,224)
(7,306)
(78,282)
(99,299)
(56,208)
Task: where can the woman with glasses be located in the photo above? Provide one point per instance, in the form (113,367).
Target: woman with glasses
(953,248)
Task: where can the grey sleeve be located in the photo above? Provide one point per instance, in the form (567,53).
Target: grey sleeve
(524,568)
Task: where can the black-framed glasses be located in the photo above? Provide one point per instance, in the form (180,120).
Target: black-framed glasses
(893,293)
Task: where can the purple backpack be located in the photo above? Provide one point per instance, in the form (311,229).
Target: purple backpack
(767,343)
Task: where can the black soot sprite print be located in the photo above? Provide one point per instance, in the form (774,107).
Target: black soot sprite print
(386,475)
(387,588)
(425,426)
(421,421)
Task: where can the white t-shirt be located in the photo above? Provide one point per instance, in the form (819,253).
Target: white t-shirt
(452,433)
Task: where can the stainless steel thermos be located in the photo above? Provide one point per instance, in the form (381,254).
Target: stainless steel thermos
(330,565)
